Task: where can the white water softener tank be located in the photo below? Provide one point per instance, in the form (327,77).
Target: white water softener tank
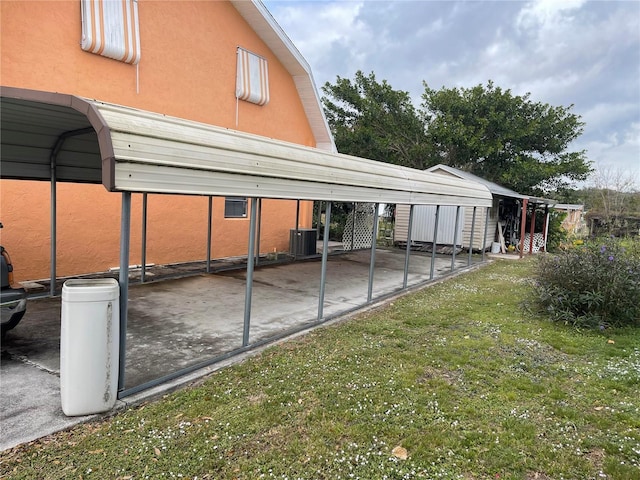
(89,345)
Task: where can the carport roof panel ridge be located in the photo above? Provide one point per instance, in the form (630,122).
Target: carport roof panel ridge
(143,151)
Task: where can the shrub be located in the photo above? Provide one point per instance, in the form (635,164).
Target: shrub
(556,234)
(594,285)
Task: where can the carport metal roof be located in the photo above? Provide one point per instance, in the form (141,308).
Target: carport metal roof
(140,151)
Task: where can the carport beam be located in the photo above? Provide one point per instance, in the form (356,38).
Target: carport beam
(372,262)
(125,234)
(473,227)
(323,271)
(435,243)
(455,239)
(249,288)
(408,253)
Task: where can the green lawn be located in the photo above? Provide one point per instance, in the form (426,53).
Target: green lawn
(456,375)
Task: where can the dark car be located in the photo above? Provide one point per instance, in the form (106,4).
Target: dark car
(13,298)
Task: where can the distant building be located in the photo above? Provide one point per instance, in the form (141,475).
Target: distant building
(574,223)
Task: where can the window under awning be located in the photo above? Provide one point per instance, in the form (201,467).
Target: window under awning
(140,151)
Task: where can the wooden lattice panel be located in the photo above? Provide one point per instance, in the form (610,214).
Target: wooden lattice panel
(359,233)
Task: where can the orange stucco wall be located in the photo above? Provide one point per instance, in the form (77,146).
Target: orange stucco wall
(187,69)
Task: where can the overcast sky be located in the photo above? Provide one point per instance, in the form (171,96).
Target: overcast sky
(585,53)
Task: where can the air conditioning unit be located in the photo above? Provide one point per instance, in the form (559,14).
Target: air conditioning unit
(302,242)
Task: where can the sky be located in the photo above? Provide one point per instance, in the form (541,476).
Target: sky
(562,52)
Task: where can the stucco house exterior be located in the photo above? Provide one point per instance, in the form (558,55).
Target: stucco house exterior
(224,63)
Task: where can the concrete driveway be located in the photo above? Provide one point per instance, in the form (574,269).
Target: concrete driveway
(181,323)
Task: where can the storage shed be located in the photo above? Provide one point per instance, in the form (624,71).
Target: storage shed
(503,219)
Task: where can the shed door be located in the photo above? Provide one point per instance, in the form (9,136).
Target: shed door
(424,221)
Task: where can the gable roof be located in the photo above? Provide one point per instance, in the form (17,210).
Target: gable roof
(494,188)
(262,22)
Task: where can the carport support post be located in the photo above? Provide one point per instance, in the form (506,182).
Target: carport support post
(486,230)
(435,242)
(408,253)
(353,225)
(523,225)
(259,218)
(545,233)
(325,253)
(318,220)
(473,226)
(210,214)
(296,238)
(249,289)
(54,210)
(532,228)
(143,251)
(455,238)
(372,261)
(125,234)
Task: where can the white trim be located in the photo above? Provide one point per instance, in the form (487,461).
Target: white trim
(262,22)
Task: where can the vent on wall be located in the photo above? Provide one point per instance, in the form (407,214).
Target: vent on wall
(110,28)
(252,81)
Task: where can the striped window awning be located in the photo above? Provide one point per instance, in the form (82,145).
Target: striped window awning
(110,28)
(252,81)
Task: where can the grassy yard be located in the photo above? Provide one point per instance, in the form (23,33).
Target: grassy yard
(454,381)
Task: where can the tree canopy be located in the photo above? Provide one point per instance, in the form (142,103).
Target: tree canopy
(372,120)
(505,138)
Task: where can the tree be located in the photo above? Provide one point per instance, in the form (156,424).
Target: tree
(505,138)
(372,120)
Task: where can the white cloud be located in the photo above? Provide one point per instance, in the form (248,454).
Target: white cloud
(616,150)
(546,14)
(563,52)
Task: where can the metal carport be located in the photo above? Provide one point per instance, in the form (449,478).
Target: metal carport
(58,137)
